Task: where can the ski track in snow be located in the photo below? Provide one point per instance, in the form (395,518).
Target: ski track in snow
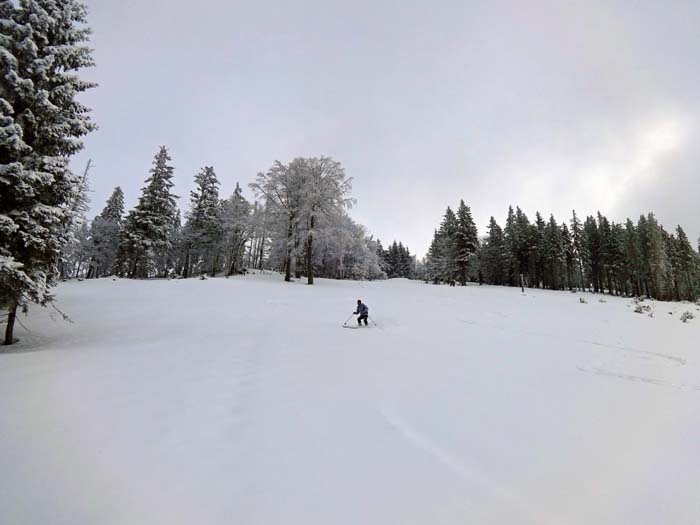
(605,370)
(478,481)
(638,379)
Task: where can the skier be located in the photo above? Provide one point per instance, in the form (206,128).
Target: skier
(363,311)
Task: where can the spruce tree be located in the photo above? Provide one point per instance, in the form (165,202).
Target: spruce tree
(448,236)
(494,259)
(687,264)
(147,234)
(466,242)
(579,243)
(105,235)
(41,50)
(204,222)
(511,240)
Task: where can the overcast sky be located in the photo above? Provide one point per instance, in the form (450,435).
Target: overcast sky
(548,105)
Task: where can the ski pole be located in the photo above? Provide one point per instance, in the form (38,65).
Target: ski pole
(375,324)
(346,321)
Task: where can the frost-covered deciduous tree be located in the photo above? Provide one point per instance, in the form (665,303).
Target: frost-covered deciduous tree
(236,223)
(282,187)
(325,193)
(259,236)
(42,47)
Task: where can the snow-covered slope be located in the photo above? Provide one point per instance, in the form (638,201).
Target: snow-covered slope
(243,401)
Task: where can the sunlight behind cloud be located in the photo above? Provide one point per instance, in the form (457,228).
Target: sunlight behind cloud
(633,162)
(606,173)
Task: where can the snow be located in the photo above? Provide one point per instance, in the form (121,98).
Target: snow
(243,401)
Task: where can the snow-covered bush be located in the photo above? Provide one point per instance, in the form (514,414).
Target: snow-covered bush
(642,309)
(582,300)
(687,316)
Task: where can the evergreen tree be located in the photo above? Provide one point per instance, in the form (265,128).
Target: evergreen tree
(580,244)
(204,223)
(41,50)
(466,242)
(494,260)
(146,238)
(511,241)
(553,256)
(105,235)
(569,256)
(686,264)
(655,259)
(448,236)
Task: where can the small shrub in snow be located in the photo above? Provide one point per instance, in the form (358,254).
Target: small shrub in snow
(687,316)
(602,300)
(642,309)
(582,300)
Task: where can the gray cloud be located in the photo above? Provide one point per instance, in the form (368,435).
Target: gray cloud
(587,105)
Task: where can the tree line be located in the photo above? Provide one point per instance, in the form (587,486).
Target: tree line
(594,254)
(397,261)
(299,226)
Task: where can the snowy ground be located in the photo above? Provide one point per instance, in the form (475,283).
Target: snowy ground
(243,401)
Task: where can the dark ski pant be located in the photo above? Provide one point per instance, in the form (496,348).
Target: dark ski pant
(359,319)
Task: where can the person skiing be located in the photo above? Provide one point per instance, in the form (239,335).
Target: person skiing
(363,311)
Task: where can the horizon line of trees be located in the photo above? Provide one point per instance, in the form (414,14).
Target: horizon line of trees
(595,254)
(299,226)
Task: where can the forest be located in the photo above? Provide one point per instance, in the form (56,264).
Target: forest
(299,226)
(595,254)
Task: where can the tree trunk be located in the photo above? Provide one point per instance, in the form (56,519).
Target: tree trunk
(309,258)
(186,269)
(132,273)
(9,330)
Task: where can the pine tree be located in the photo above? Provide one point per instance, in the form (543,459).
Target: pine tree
(148,228)
(204,222)
(536,253)
(494,261)
(553,256)
(569,256)
(511,239)
(105,235)
(466,242)
(448,237)
(654,257)
(436,260)
(632,252)
(41,50)
(580,243)
(687,265)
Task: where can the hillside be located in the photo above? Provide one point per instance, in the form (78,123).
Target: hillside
(244,401)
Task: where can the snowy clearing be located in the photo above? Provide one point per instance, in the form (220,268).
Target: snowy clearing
(243,401)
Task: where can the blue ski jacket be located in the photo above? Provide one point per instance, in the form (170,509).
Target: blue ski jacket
(362,309)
